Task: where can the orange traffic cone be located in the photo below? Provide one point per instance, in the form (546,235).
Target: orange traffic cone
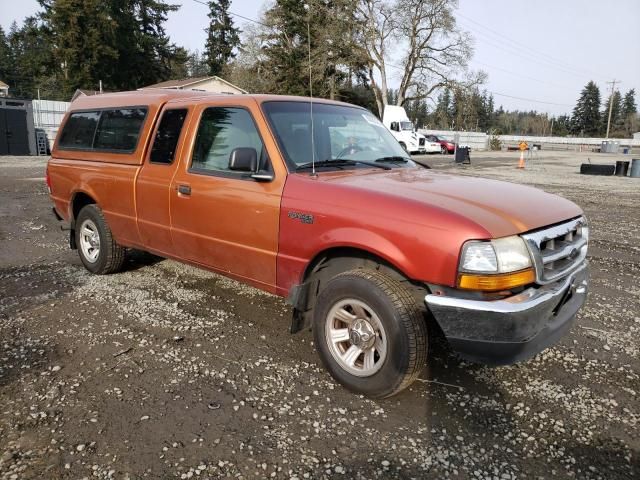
(521,162)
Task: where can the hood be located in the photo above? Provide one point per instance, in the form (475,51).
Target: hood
(500,208)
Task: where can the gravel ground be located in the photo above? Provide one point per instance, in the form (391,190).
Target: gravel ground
(166,371)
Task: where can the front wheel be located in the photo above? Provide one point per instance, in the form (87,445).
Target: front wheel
(370,334)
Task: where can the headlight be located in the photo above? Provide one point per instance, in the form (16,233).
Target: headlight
(584,230)
(495,265)
(503,255)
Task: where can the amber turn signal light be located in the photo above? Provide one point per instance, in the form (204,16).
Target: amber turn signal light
(502,281)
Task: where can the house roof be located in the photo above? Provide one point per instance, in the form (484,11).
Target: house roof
(185,82)
(81,92)
(3,85)
(179,83)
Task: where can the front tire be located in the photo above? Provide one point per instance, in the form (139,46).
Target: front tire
(99,252)
(370,333)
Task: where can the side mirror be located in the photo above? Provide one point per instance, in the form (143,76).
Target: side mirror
(394,126)
(243,159)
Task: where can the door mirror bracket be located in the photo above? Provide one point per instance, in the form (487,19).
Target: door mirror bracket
(263,176)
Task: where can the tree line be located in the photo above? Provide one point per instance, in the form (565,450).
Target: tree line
(349,50)
(474,110)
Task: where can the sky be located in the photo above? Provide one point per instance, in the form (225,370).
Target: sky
(542,51)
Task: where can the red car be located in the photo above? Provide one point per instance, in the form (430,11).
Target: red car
(445,145)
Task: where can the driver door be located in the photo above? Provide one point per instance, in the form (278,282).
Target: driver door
(221,218)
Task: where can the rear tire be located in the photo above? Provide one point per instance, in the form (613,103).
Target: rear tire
(370,303)
(99,252)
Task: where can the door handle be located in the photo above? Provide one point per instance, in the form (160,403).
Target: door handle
(184,189)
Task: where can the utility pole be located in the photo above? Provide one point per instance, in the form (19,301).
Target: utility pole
(613,89)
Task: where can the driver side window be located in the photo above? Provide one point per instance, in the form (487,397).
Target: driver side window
(221,131)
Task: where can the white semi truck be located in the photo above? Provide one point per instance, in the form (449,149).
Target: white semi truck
(396,120)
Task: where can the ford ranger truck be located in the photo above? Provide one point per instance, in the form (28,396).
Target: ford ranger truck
(317,202)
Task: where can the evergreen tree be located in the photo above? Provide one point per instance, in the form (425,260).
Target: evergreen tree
(286,47)
(222,37)
(617,119)
(630,113)
(31,66)
(82,32)
(629,104)
(6,62)
(442,115)
(334,63)
(561,126)
(179,64)
(119,42)
(147,59)
(586,114)
(197,65)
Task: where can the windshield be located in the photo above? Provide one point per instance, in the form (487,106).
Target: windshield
(406,126)
(340,132)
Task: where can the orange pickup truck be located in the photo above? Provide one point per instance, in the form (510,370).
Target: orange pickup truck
(317,202)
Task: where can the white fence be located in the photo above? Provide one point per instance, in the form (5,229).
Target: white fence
(475,140)
(480,141)
(48,115)
(570,143)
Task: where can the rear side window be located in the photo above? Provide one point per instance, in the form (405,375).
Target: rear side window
(166,140)
(79,130)
(119,129)
(115,130)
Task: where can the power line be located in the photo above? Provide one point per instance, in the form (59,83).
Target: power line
(402,68)
(236,14)
(530,99)
(504,94)
(523,76)
(524,55)
(547,57)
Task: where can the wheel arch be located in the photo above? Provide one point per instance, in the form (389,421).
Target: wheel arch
(79,200)
(332,261)
(350,255)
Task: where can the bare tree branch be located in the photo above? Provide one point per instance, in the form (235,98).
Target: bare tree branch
(434,51)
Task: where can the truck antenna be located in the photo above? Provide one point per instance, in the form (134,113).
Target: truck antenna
(307,7)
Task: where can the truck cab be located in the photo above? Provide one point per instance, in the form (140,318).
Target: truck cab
(396,120)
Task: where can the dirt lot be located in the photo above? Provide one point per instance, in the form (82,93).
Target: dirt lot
(165,371)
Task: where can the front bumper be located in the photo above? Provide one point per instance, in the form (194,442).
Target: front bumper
(502,332)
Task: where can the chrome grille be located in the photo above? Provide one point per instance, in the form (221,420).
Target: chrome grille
(557,251)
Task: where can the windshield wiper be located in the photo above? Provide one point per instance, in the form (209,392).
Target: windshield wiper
(333,162)
(395,158)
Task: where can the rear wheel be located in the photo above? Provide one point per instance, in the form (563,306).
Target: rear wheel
(370,333)
(443,150)
(98,250)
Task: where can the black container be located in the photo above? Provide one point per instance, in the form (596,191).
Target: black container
(595,169)
(622,167)
(462,155)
